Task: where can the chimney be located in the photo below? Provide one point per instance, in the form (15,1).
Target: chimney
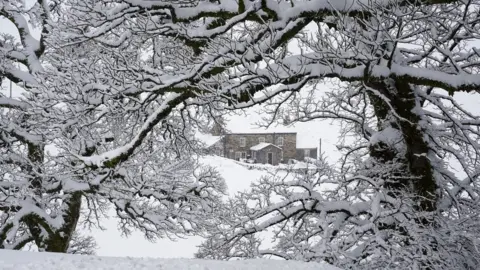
(319,148)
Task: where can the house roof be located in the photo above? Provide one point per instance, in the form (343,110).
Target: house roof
(305,140)
(207,139)
(260,133)
(260,146)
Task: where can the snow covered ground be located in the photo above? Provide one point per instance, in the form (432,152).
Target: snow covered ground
(135,252)
(111,243)
(24,260)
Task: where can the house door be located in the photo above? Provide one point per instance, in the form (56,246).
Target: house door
(270,158)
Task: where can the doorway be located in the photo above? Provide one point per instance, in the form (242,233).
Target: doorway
(270,158)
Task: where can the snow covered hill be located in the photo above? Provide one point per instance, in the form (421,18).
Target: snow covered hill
(23,260)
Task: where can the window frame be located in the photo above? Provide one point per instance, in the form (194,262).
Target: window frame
(261,140)
(282,140)
(306,152)
(238,155)
(243,142)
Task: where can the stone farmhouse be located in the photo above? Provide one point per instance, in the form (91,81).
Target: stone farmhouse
(265,148)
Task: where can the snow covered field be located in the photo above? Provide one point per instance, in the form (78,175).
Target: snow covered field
(24,260)
(110,242)
(135,252)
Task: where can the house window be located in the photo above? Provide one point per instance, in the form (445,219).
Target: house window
(307,152)
(261,140)
(254,155)
(238,155)
(281,155)
(280,141)
(231,153)
(243,142)
(244,155)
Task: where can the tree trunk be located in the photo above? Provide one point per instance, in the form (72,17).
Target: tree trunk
(402,100)
(59,241)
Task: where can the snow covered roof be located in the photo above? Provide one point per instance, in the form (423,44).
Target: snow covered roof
(208,139)
(25,260)
(260,146)
(261,132)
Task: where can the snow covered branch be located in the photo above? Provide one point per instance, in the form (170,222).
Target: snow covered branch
(118,89)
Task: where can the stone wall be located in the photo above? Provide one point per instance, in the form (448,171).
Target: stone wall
(232,143)
(290,145)
(261,155)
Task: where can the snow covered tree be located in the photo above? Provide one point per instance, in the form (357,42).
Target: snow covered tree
(53,171)
(133,79)
(81,244)
(22,143)
(398,201)
(219,126)
(361,213)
